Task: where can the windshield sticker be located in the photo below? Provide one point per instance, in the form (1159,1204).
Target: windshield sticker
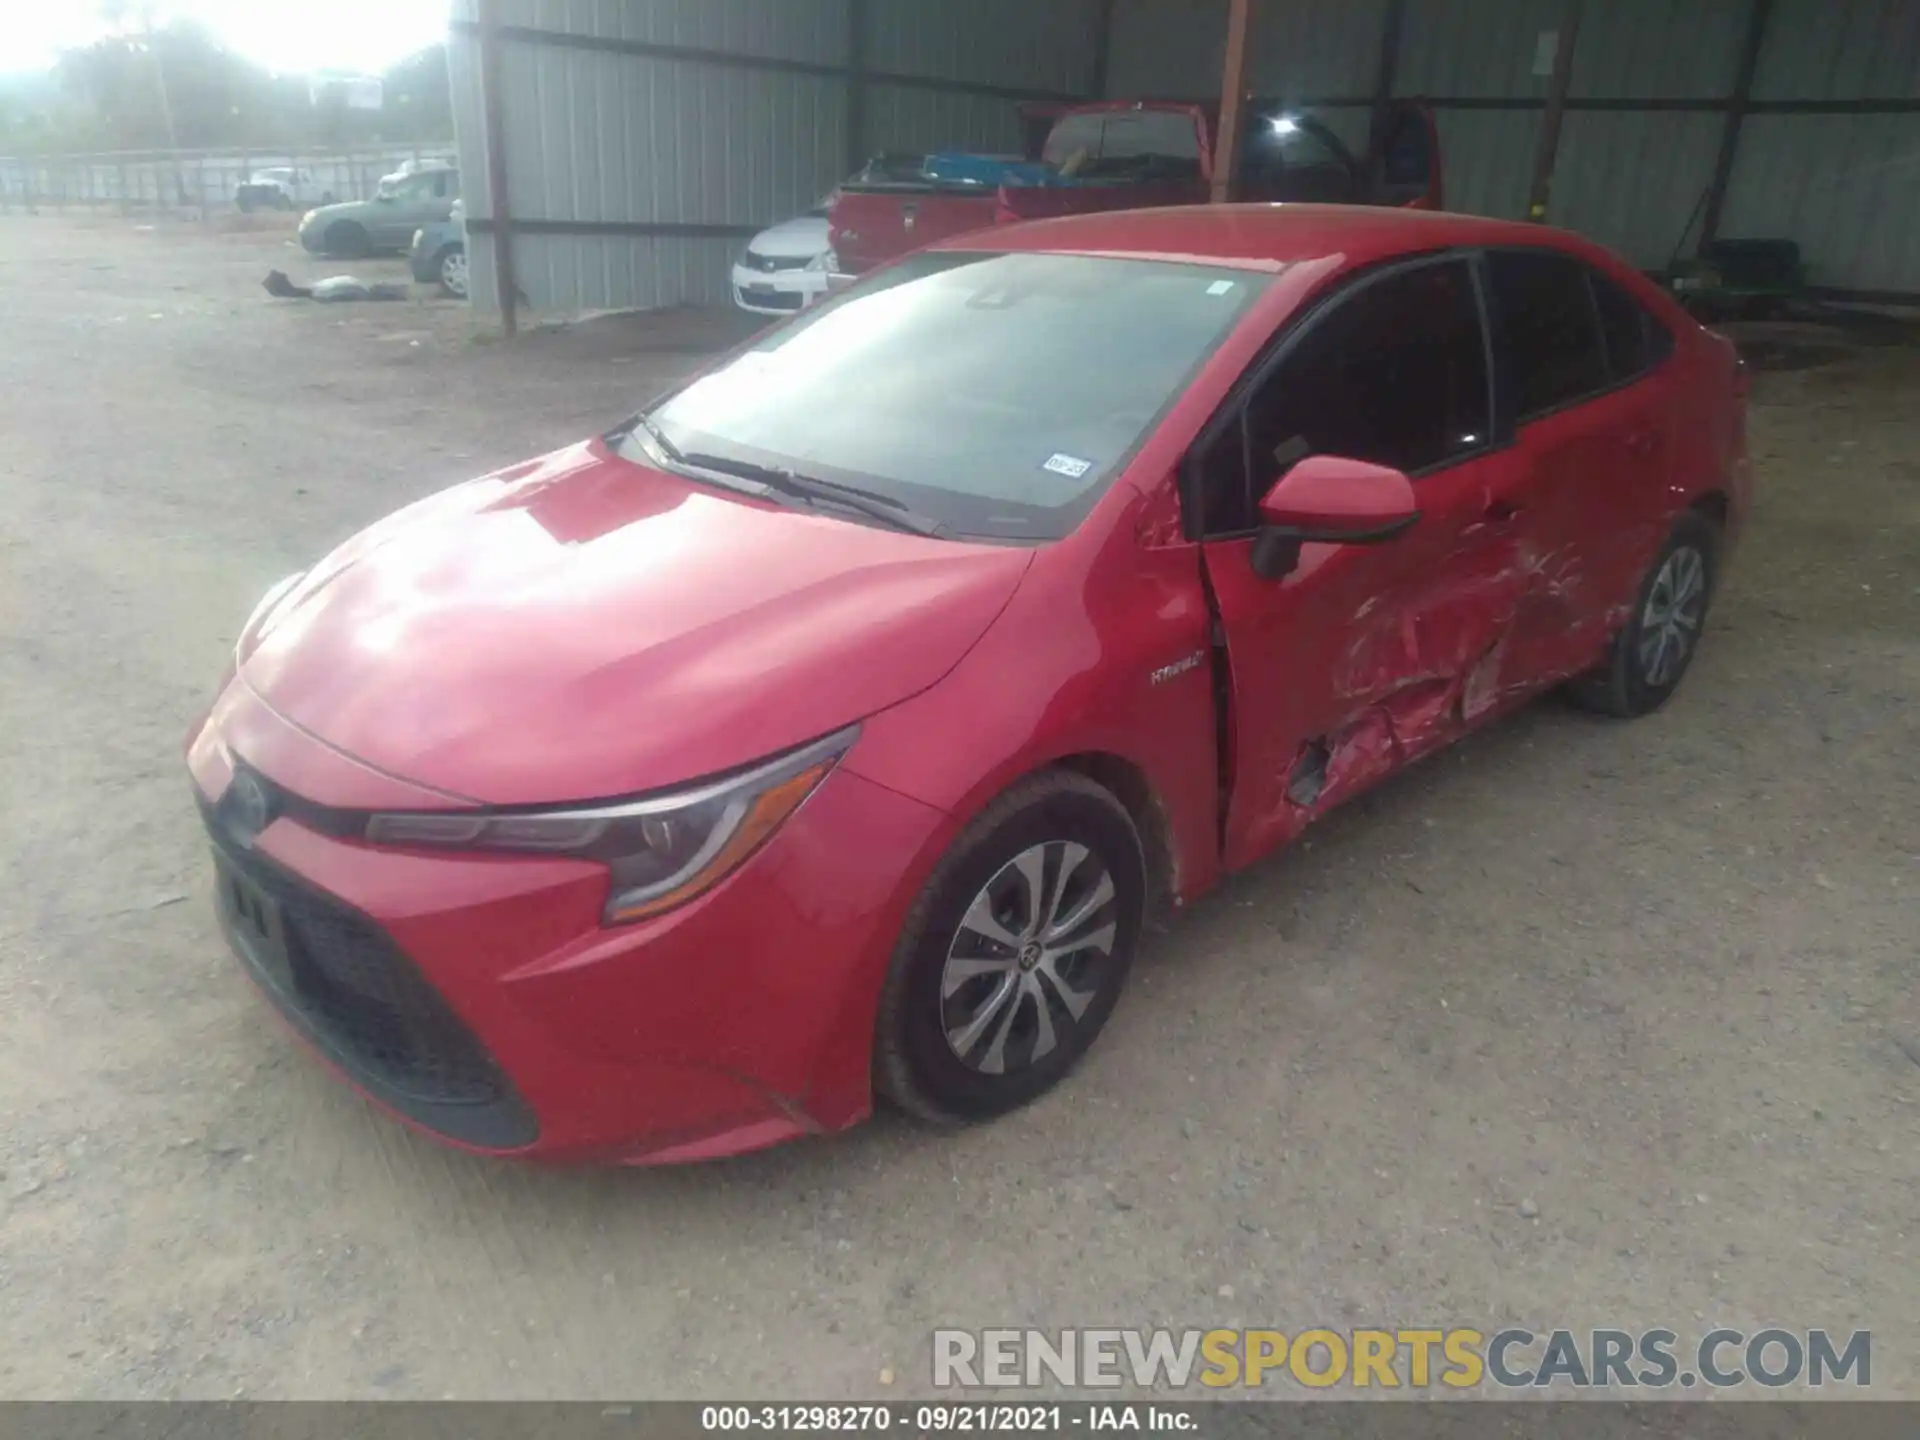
(1070,466)
(1221,287)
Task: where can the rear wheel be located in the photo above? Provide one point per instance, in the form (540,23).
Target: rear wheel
(1015,955)
(1650,655)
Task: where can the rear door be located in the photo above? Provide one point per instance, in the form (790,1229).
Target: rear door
(1366,655)
(1594,439)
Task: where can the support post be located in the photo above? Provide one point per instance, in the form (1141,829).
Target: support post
(858,26)
(1233,91)
(494,123)
(1540,191)
(1391,21)
(1102,50)
(1758,13)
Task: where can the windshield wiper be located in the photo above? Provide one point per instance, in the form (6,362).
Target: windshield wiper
(870,503)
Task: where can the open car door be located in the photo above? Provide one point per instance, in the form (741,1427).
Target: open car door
(1403,162)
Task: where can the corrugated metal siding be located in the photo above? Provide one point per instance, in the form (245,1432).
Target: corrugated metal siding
(1022,44)
(1473,47)
(1846,187)
(1299,48)
(1823,50)
(1486,158)
(814,31)
(1166,49)
(625,138)
(1633,179)
(904,118)
(615,137)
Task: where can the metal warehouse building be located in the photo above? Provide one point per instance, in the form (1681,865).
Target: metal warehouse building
(640,141)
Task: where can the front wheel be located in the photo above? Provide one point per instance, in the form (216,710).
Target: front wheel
(1648,656)
(451,268)
(1015,954)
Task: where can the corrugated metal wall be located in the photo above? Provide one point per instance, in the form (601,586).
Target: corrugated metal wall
(1846,186)
(679,127)
(624,116)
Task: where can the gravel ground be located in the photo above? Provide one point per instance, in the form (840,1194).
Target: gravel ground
(1579,1024)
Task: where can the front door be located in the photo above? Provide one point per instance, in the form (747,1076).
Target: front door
(1366,656)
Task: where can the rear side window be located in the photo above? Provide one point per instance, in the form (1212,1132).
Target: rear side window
(1623,328)
(1547,329)
(1396,374)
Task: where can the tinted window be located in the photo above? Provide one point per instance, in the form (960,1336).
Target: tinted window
(1396,374)
(1546,325)
(997,394)
(1624,326)
(1125,144)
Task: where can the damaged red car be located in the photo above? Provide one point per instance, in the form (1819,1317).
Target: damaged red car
(827,729)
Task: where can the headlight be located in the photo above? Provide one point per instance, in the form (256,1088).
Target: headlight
(826,261)
(662,851)
(419,238)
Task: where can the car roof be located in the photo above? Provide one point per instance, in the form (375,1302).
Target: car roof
(1263,237)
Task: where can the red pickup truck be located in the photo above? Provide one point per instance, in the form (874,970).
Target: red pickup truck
(1133,154)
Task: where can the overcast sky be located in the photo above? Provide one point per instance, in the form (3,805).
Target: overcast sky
(295,35)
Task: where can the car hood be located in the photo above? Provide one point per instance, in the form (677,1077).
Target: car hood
(800,238)
(583,627)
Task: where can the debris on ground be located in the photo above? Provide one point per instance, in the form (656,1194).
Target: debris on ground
(339,287)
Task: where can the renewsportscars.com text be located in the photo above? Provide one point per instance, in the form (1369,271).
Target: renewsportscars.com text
(1414,1358)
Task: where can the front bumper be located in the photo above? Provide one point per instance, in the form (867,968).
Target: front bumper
(479,998)
(777,292)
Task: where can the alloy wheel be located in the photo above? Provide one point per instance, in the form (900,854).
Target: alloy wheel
(1030,954)
(453,273)
(1670,623)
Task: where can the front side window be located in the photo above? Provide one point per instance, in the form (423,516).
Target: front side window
(1546,327)
(1395,374)
(998,394)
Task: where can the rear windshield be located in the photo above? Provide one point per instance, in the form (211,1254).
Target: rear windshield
(1121,144)
(997,394)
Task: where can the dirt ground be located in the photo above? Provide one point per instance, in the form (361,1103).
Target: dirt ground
(1581,1024)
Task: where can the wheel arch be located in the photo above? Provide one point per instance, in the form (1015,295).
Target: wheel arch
(1134,789)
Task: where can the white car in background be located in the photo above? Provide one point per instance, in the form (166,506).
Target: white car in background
(281,187)
(784,269)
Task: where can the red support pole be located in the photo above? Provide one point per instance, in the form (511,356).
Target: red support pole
(1233,90)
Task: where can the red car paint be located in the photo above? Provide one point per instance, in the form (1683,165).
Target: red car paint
(872,224)
(583,626)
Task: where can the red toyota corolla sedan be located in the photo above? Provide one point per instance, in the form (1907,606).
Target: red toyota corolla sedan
(827,728)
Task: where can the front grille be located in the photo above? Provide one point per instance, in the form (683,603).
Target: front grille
(772,299)
(345,984)
(773,264)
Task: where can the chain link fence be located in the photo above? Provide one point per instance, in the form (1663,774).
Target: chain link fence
(197,182)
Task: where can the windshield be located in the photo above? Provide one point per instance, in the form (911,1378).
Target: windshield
(996,394)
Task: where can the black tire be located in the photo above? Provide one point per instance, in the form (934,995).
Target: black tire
(915,1064)
(1626,684)
(349,239)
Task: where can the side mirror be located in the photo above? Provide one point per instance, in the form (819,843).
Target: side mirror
(1327,500)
